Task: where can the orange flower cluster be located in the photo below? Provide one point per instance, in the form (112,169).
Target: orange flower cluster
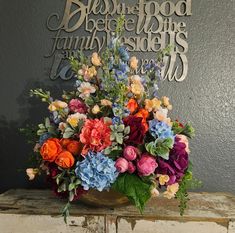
(61,152)
(133,106)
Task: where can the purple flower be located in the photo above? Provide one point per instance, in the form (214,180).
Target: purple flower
(177,164)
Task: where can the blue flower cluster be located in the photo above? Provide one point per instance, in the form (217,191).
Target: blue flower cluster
(44,137)
(159,129)
(96,171)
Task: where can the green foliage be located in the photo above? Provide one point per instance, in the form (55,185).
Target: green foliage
(188,182)
(138,191)
(120,25)
(30,132)
(186,130)
(160,147)
(45,96)
(47,127)
(65,212)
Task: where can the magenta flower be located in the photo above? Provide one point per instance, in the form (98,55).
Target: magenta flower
(146,165)
(177,164)
(121,165)
(130,153)
(76,105)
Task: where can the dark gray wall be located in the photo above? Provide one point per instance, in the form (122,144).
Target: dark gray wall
(206,97)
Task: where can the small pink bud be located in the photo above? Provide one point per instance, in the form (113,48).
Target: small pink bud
(121,165)
(131,167)
(146,165)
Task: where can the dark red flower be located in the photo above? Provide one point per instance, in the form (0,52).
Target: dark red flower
(137,130)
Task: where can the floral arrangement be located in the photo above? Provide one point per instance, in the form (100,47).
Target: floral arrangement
(113,132)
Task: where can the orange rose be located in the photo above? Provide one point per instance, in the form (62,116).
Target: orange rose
(64,142)
(74,147)
(142,113)
(132,105)
(65,159)
(50,149)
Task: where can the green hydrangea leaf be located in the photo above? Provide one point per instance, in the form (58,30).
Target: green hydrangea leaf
(134,188)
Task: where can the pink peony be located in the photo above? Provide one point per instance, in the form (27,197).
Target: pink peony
(131,167)
(146,165)
(130,153)
(95,135)
(76,105)
(121,165)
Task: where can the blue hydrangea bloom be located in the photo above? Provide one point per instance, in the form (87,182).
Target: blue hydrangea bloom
(96,171)
(159,129)
(116,121)
(43,138)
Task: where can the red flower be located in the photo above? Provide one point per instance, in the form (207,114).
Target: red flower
(137,130)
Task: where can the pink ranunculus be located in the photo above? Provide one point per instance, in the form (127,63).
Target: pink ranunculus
(76,105)
(146,165)
(131,167)
(130,153)
(121,165)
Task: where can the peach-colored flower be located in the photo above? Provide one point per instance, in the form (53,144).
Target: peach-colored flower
(135,79)
(133,63)
(86,89)
(105,102)
(73,119)
(153,104)
(95,135)
(171,191)
(165,101)
(55,105)
(95,59)
(31,173)
(184,139)
(62,126)
(37,147)
(96,109)
(163,179)
(137,89)
(92,71)
(154,192)
(84,71)
(161,115)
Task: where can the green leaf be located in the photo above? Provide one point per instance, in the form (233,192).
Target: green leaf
(68,133)
(127,130)
(134,188)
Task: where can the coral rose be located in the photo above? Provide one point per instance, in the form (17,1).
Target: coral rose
(146,165)
(50,149)
(65,159)
(95,135)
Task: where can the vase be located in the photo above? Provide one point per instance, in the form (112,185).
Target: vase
(108,199)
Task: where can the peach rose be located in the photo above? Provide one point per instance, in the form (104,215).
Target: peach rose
(133,63)
(74,147)
(65,159)
(95,59)
(50,149)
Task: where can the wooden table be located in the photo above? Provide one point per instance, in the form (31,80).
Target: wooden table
(38,211)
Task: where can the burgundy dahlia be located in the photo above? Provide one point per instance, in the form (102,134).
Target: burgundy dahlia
(137,130)
(177,164)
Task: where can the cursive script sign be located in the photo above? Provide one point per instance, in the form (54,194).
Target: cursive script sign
(149,26)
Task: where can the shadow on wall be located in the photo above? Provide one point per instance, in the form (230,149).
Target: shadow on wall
(14,149)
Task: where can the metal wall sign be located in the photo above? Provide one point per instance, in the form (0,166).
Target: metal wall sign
(149,26)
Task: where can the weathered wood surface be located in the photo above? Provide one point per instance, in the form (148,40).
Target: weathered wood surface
(207,212)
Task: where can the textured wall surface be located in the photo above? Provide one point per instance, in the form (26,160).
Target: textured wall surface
(206,97)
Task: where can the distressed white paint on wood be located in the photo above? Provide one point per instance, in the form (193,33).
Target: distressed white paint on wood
(162,226)
(231,227)
(18,223)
